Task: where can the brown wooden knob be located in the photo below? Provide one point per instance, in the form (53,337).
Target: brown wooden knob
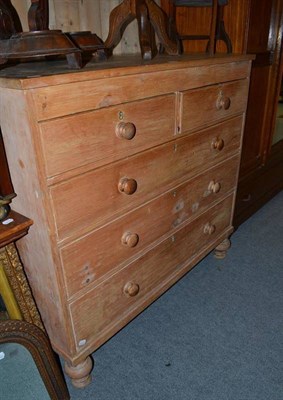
(209,229)
(131,289)
(130,239)
(217,144)
(223,103)
(127,185)
(214,187)
(125,130)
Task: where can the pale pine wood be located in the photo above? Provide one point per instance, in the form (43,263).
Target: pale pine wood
(58,100)
(44,281)
(99,142)
(182,183)
(200,107)
(107,302)
(87,260)
(155,170)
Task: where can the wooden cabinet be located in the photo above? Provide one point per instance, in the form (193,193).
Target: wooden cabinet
(129,174)
(254,28)
(261,173)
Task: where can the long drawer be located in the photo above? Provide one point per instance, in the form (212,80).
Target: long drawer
(107,134)
(208,105)
(107,304)
(103,194)
(93,256)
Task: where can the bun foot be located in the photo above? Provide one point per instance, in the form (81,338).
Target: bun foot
(80,373)
(221,250)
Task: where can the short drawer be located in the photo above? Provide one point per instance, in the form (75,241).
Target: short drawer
(88,201)
(118,299)
(92,257)
(207,105)
(108,134)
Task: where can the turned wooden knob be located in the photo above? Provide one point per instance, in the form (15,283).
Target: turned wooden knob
(209,229)
(130,239)
(127,185)
(223,103)
(131,289)
(217,144)
(214,187)
(125,130)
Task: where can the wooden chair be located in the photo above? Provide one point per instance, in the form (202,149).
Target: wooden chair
(217,27)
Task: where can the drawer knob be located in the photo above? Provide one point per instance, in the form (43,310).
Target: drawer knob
(125,130)
(127,185)
(217,144)
(130,239)
(223,103)
(131,289)
(214,187)
(209,229)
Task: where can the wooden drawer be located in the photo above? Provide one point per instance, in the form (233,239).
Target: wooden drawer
(207,105)
(86,202)
(105,135)
(99,89)
(115,301)
(88,259)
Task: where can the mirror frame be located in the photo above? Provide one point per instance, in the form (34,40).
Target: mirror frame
(37,343)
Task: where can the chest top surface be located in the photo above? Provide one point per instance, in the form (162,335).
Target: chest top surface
(46,73)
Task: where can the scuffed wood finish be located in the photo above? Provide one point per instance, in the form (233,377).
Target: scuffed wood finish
(38,253)
(126,196)
(154,171)
(148,273)
(57,100)
(102,140)
(87,260)
(211,104)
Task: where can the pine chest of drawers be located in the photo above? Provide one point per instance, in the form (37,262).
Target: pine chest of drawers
(129,174)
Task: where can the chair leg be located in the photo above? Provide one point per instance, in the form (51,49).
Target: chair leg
(212,35)
(221,33)
(172,29)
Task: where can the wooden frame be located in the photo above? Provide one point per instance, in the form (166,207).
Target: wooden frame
(37,343)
